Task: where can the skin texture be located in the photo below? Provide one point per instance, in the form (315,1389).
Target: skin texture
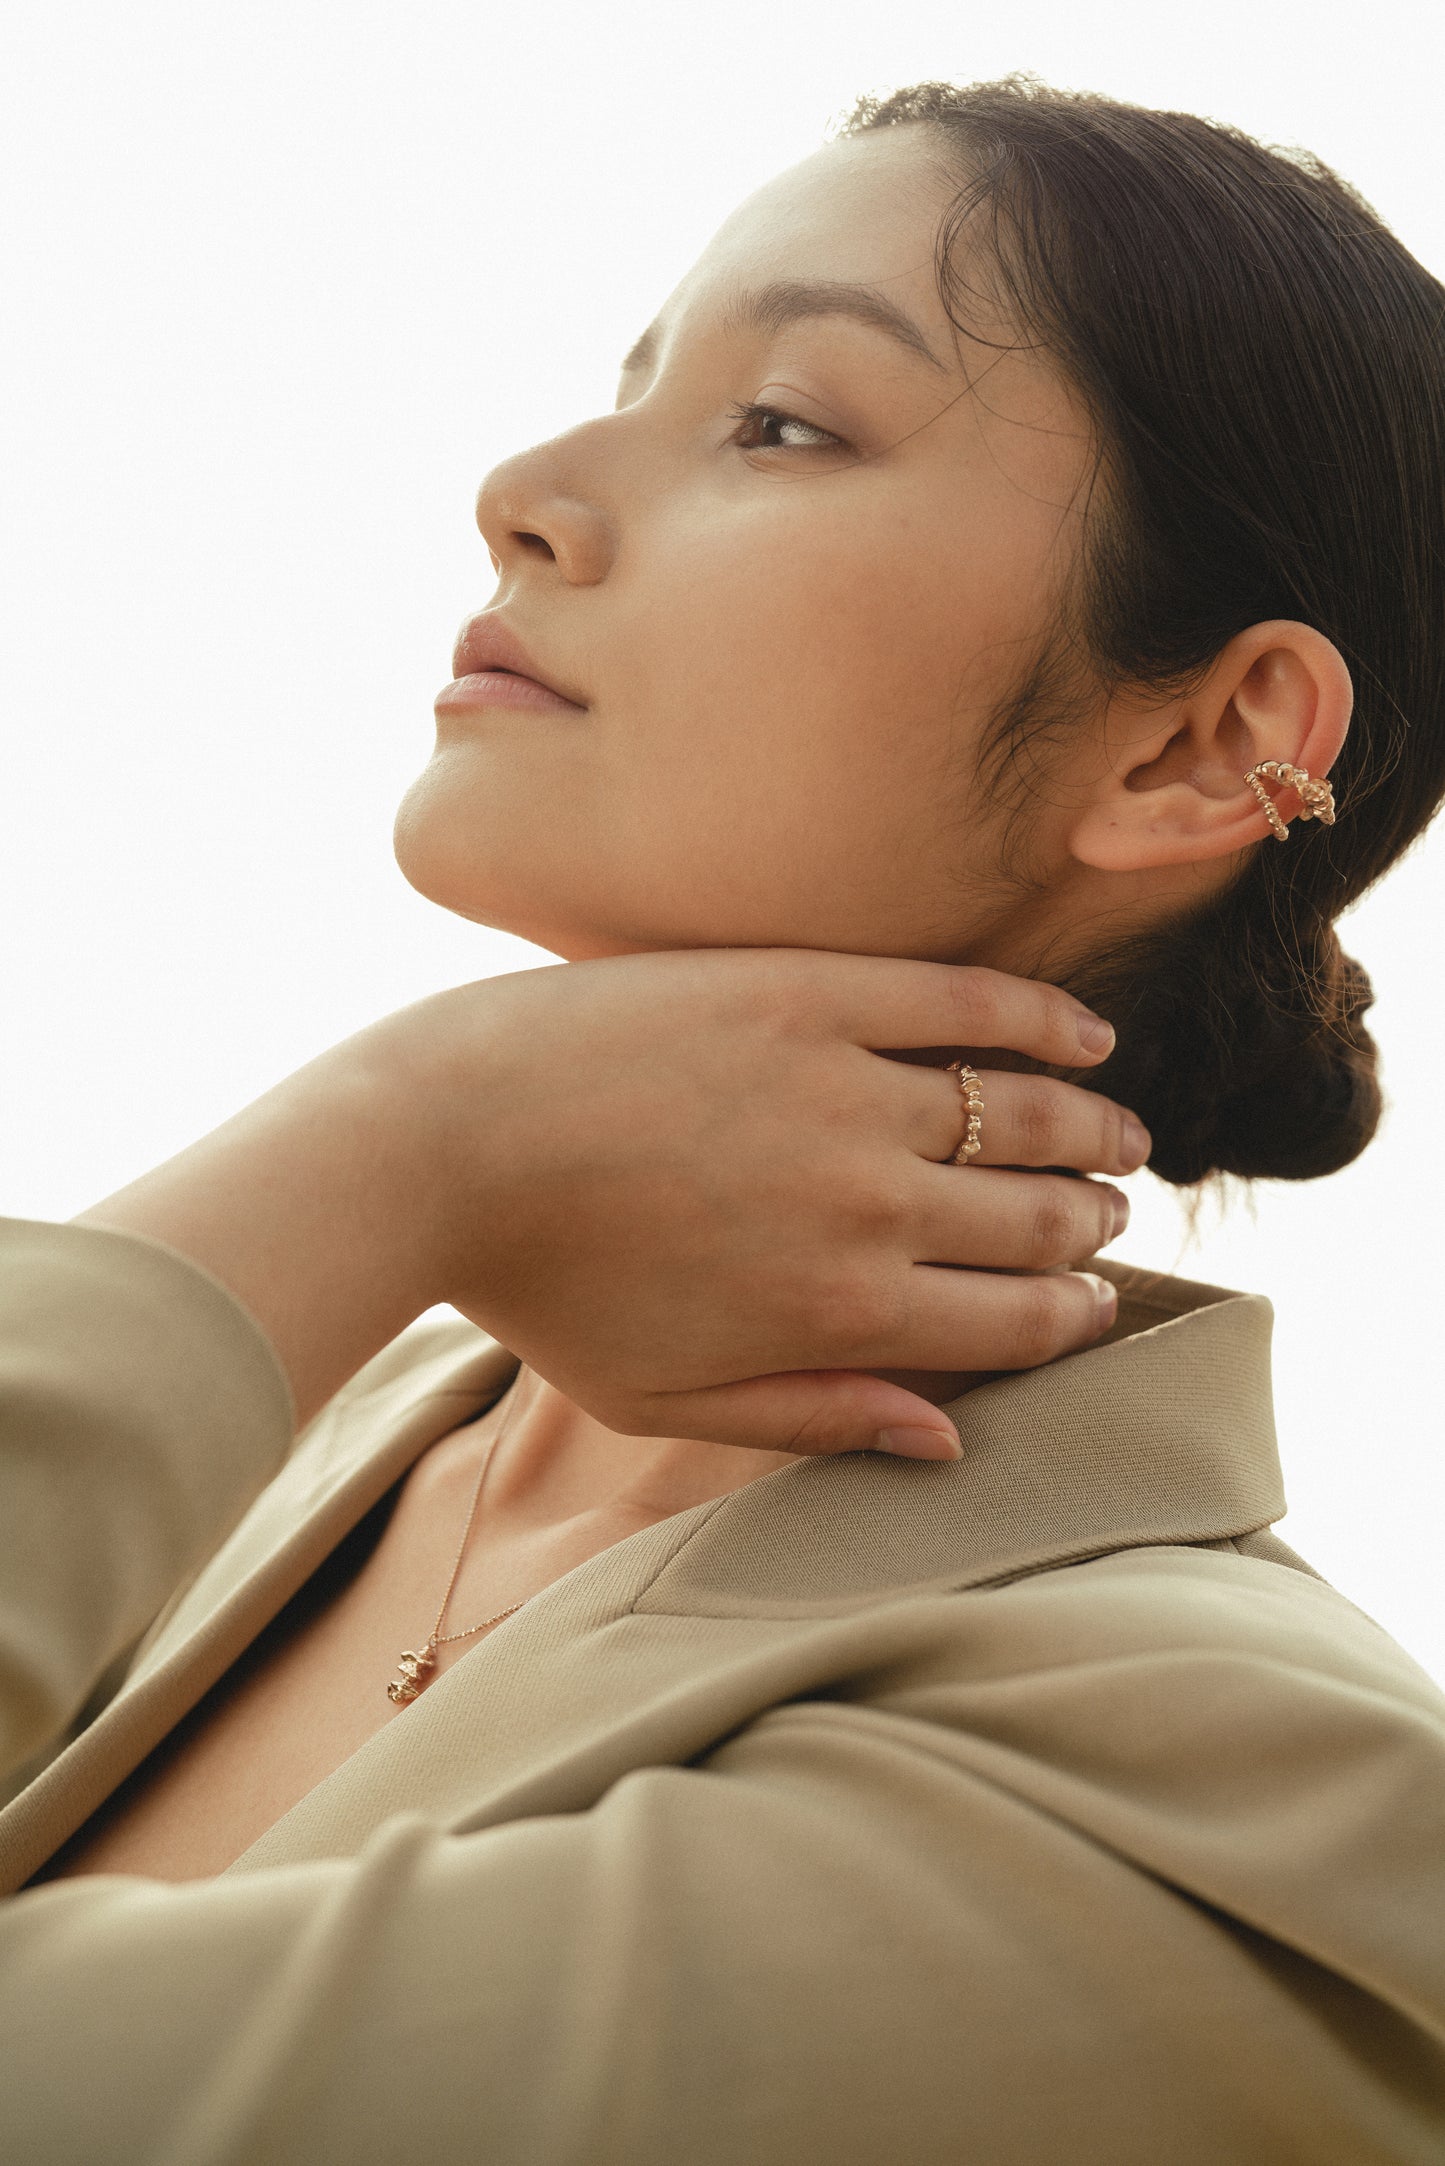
(787,638)
(784,640)
(790,640)
(793,647)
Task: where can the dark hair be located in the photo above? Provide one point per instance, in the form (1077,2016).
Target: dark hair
(1265,367)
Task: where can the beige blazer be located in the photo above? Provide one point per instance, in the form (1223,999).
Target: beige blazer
(1042,1807)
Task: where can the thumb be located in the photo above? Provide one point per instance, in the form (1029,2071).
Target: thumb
(817,1411)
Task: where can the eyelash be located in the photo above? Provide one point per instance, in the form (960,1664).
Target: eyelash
(748,412)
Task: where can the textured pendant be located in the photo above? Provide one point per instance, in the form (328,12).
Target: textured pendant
(413,1667)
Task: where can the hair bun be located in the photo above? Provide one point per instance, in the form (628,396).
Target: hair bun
(1278,1082)
(1309,1103)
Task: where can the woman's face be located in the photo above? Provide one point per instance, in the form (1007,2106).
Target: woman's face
(782,635)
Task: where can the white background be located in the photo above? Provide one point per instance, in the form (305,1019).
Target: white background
(280,283)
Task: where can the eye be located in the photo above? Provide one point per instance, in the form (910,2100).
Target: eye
(766,428)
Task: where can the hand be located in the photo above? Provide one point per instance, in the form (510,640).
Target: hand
(692,1196)
(683,1187)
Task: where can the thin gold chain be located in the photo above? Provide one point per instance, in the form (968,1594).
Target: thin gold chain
(414,1665)
(438,1638)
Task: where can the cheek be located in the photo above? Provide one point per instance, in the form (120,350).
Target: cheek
(820,655)
(788,701)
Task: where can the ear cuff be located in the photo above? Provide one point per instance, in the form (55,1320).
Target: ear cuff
(1317,799)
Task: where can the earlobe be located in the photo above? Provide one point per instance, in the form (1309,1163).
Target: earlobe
(1179,793)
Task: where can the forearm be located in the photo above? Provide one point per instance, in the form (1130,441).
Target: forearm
(678,1186)
(307,1206)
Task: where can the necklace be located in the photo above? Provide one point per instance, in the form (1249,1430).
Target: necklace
(417,1663)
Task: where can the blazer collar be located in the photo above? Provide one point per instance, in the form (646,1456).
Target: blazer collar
(649,1653)
(1162,1435)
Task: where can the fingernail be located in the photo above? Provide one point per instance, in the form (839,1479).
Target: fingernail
(1095,1035)
(1135,1145)
(919,1444)
(1121,1210)
(1108,1298)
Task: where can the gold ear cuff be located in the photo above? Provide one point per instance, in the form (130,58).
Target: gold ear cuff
(1317,799)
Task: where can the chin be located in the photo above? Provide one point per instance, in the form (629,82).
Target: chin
(448,859)
(453,863)
(513,872)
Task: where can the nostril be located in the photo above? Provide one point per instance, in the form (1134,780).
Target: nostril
(537,546)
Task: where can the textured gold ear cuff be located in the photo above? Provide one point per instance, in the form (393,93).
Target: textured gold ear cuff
(1317,799)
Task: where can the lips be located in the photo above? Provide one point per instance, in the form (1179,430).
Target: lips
(487,645)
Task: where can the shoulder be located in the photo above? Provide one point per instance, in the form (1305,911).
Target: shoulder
(1247,1605)
(1185,1664)
(1229,1726)
(1169,1812)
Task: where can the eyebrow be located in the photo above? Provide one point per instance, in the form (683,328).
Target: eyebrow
(790,300)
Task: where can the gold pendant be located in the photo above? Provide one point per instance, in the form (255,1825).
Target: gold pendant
(413,1667)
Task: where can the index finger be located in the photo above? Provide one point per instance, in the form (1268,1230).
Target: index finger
(880,1002)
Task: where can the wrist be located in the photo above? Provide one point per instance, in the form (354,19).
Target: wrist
(301,1206)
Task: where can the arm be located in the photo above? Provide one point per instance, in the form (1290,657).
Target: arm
(629,1172)
(982,1912)
(660,1222)
(530,1147)
(140,1411)
(849,1937)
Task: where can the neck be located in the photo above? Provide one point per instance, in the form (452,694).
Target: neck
(556,1462)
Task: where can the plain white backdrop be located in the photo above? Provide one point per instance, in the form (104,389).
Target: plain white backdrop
(280,284)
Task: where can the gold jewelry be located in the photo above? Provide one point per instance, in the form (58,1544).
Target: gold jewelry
(417,1663)
(972,1090)
(1317,799)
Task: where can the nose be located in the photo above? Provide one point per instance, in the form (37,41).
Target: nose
(530,511)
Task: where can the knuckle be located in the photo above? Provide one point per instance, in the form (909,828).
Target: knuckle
(979,1002)
(1053,1235)
(761,995)
(1041,1121)
(1041,1322)
(778,992)
(878,1211)
(851,1312)
(1061,1024)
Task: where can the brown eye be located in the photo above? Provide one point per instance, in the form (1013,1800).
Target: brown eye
(767,428)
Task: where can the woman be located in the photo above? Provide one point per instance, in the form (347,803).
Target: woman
(1019,510)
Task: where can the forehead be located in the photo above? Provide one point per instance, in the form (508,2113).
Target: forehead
(865,210)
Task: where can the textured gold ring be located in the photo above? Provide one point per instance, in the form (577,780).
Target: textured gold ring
(972,1092)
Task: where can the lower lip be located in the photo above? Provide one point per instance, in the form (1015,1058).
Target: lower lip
(499,688)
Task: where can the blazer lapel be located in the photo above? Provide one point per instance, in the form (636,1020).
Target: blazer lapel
(652,1651)
(361,1442)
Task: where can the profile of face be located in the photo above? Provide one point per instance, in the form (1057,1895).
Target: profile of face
(784,587)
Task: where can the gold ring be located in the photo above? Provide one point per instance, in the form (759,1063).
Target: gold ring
(972,1090)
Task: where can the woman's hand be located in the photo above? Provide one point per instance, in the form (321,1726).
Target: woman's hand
(683,1187)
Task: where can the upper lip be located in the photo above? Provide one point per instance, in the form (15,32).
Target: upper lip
(487,643)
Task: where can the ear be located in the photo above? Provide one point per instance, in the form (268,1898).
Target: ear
(1173,790)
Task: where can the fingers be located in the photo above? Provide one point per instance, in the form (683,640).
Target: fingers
(1013,1221)
(1028,1120)
(880,1001)
(959,1320)
(815,1412)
